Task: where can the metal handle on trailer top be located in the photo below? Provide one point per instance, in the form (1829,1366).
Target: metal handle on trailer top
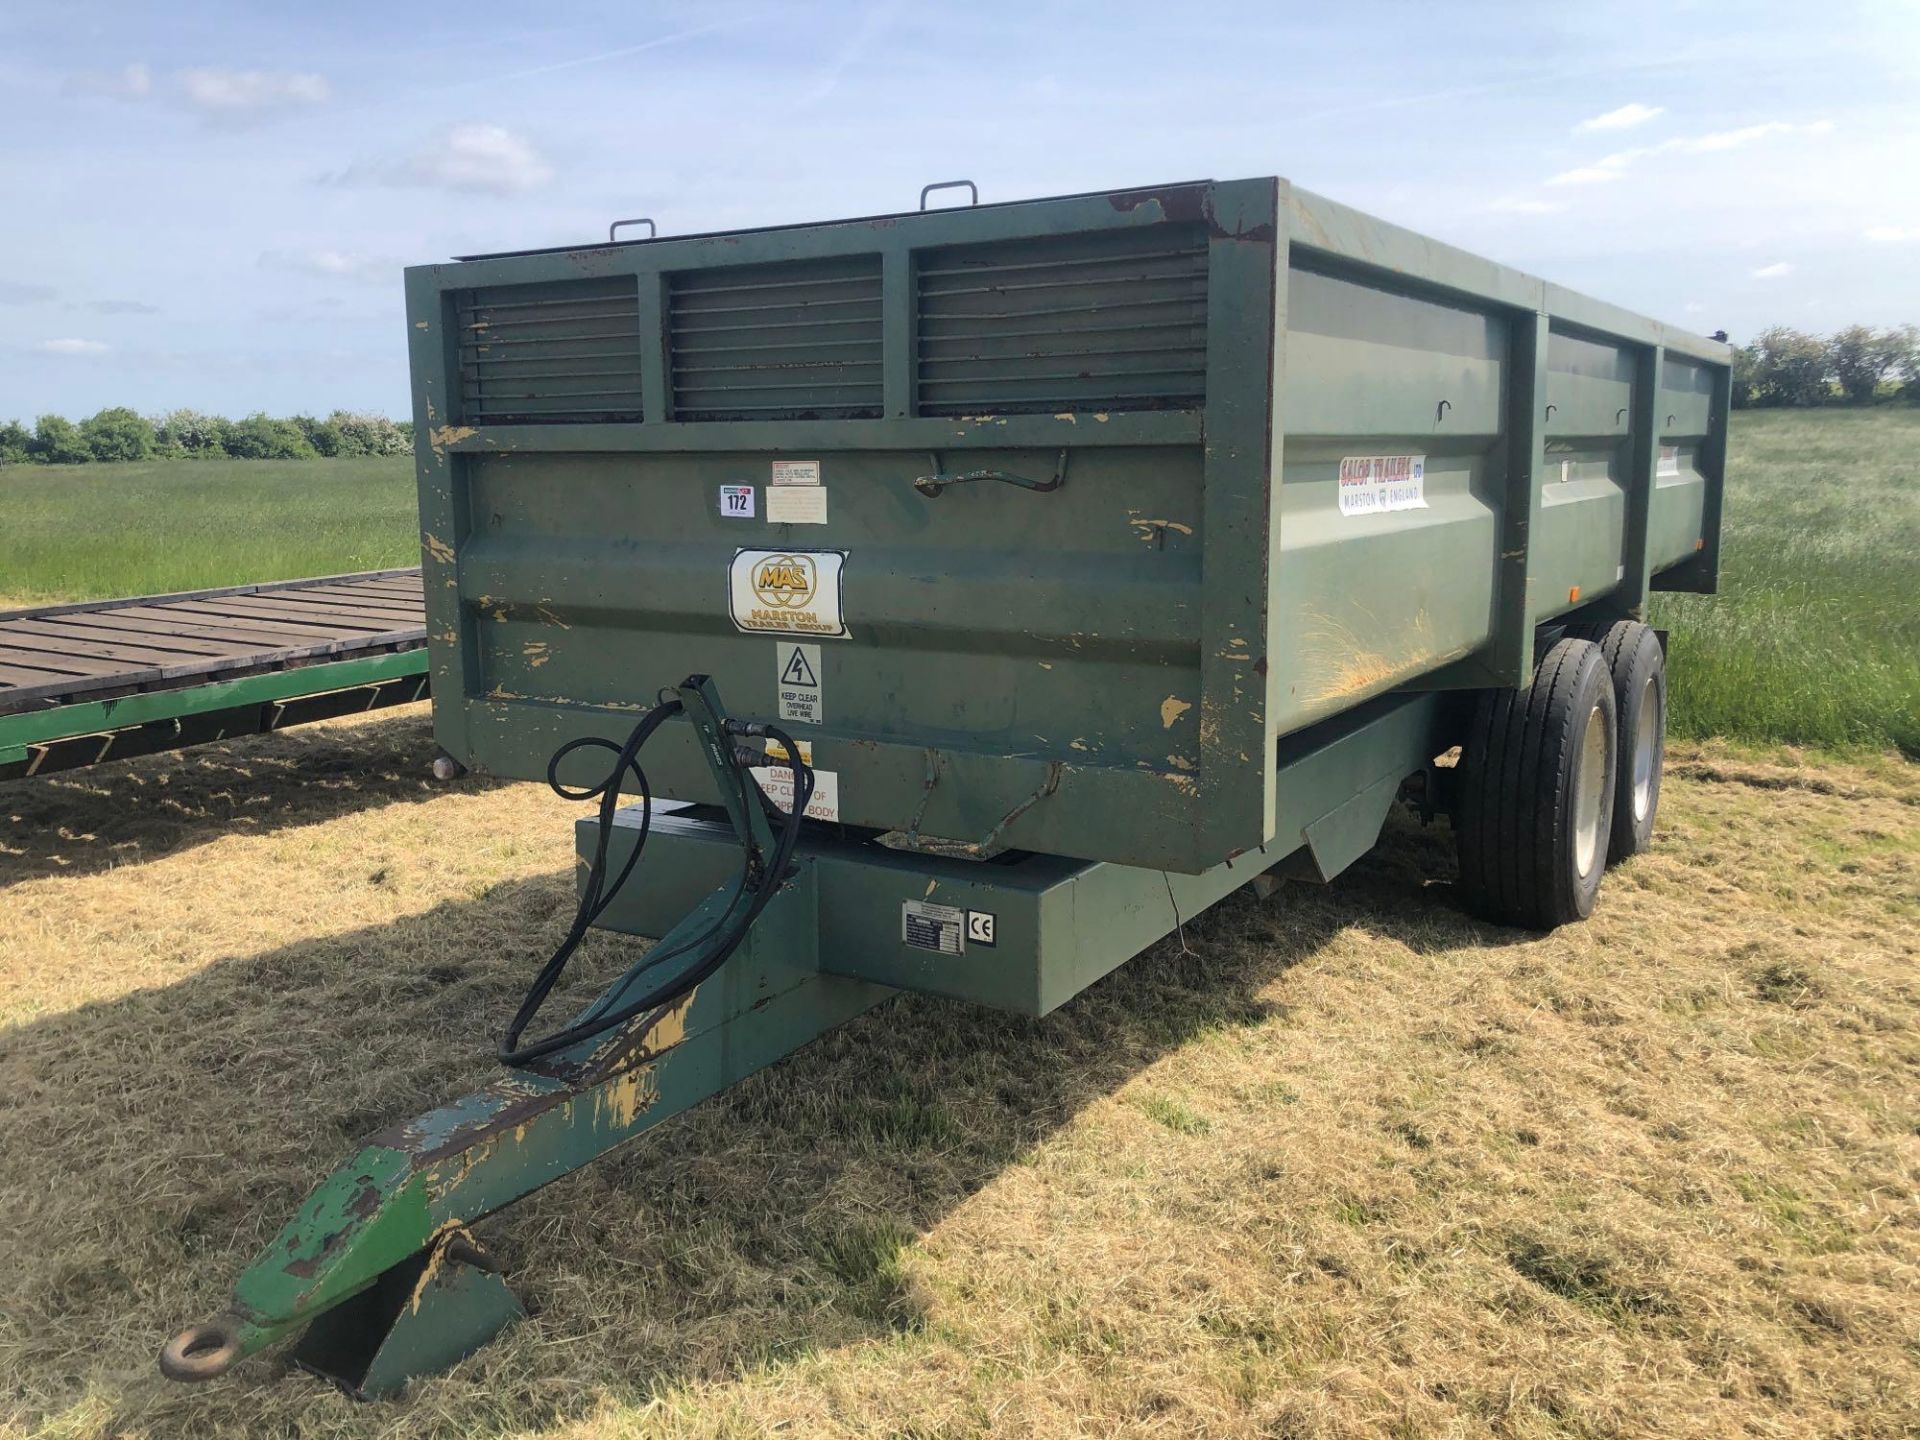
(931,485)
(653,230)
(973,190)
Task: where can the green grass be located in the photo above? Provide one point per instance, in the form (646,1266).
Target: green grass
(90,532)
(1814,638)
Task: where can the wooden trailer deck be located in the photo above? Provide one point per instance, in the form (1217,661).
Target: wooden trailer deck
(106,679)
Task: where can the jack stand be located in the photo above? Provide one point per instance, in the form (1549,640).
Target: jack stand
(418,1318)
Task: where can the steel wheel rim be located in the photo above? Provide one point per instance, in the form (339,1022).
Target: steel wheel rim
(1589,790)
(1646,743)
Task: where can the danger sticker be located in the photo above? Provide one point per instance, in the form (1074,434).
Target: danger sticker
(939,928)
(797,682)
(787,592)
(1375,484)
(796,472)
(776,783)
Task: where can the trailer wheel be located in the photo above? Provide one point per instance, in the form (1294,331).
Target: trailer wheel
(1536,792)
(1639,668)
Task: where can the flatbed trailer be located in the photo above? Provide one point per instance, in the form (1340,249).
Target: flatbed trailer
(111,679)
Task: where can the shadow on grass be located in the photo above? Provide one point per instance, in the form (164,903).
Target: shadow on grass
(124,812)
(155,1142)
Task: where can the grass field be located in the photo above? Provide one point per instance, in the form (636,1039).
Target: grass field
(1815,636)
(90,532)
(1344,1164)
(1814,640)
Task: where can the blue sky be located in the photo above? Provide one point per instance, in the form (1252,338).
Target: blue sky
(209,204)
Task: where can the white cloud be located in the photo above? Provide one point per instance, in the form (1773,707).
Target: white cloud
(236,94)
(71,347)
(1588,174)
(1612,167)
(334,264)
(1625,118)
(1523,205)
(130,82)
(1746,135)
(481,158)
(1891,234)
(1773,271)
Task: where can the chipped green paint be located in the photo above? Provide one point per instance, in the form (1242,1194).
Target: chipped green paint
(1197,544)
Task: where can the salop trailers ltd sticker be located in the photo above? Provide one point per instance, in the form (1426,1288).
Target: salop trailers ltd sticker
(1375,484)
(787,592)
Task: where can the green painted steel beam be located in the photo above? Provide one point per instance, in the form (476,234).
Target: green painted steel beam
(20,733)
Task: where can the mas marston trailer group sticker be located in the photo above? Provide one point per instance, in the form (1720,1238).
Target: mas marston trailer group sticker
(787,592)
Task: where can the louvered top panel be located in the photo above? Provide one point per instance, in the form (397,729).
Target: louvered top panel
(1105,321)
(798,340)
(561,351)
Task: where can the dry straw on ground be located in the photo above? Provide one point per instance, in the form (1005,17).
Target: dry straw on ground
(1355,1165)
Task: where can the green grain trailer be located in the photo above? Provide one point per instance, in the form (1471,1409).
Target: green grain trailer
(1068,563)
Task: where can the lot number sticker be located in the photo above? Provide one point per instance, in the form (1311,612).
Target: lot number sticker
(1375,484)
(787,592)
(736,502)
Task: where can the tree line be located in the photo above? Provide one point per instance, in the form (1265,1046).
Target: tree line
(118,433)
(1781,367)
(1854,366)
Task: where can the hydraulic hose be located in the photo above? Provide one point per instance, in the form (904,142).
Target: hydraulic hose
(759,882)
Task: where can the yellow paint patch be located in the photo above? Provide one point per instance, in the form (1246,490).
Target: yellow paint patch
(1171,709)
(1181,762)
(627,1096)
(442,436)
(437,548)
(537,653)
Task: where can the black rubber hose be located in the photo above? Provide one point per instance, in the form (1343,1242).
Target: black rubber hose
(720,939)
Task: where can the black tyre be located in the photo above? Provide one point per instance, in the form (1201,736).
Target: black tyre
(1639,669)
(1536,792)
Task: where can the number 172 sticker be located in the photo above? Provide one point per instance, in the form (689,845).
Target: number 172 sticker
(736,502)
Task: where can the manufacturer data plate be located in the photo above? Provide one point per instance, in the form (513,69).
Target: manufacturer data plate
(939,928)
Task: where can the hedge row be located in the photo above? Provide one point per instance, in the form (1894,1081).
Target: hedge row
(119,433)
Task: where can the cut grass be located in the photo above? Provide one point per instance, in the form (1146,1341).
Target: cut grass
(1346,1163)
(93,532)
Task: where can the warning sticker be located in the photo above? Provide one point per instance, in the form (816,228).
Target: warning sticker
(1375,484)
(796,472)
(787,592)
(1669,462)
(797,682)
(736,502)
(796,504)
(776,783)
(939,928)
